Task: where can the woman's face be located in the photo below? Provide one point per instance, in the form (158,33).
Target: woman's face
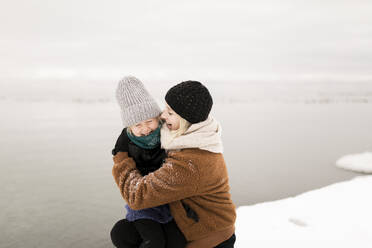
(145,128)
(171,118)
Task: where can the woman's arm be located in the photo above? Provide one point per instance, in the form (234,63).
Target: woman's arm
(175,180)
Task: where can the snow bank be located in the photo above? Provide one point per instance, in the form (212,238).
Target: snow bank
(337,215)
(356,162)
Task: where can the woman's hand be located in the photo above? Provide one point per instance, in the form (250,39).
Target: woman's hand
(121,144)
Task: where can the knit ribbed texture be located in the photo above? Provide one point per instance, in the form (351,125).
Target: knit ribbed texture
(191,100)
(136,103)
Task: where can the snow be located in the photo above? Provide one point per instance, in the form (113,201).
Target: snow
(338,215)
(356,162)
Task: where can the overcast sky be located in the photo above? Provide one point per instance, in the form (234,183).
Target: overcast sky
(165,39)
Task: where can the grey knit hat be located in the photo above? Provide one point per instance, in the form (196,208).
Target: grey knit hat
(135,102)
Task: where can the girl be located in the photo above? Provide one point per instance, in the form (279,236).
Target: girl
(193,180)
(150,227)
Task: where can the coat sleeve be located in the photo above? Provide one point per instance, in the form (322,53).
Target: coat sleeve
(176,179)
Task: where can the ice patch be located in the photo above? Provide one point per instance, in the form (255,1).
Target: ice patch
(356,162)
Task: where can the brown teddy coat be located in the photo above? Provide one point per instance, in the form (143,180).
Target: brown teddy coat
(192,177)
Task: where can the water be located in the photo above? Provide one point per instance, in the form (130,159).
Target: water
(55,176)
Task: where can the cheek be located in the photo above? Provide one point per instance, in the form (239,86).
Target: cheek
(175,122)
(135,131)
(154,125)
(170,119)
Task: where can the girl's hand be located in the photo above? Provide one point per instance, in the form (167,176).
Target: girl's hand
(122,142)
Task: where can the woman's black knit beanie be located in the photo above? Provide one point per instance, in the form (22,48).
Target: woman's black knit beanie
(191,100)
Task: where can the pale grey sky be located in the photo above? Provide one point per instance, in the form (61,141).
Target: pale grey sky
(165,39)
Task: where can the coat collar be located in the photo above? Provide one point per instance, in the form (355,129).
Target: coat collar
(204,135)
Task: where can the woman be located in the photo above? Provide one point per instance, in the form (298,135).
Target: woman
(193,180)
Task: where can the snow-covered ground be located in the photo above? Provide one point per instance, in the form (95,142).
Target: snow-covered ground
(338,215)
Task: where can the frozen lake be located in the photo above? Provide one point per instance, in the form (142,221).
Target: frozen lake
(55,174)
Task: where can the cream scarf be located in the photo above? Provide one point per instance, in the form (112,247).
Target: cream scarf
(204,135)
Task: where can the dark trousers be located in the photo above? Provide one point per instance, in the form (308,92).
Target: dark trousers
(227,243)
(146,233)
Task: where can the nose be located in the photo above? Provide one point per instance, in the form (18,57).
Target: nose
(146,131)
(162,116)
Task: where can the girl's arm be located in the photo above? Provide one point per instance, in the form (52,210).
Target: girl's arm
(122,142)
(175,180)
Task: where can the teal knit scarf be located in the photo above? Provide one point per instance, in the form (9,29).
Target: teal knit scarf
(147,142)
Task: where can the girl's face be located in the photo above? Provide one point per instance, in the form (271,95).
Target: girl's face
(145,128)
(171,118)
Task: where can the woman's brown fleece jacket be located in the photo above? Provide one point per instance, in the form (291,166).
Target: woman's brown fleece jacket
(197,177)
